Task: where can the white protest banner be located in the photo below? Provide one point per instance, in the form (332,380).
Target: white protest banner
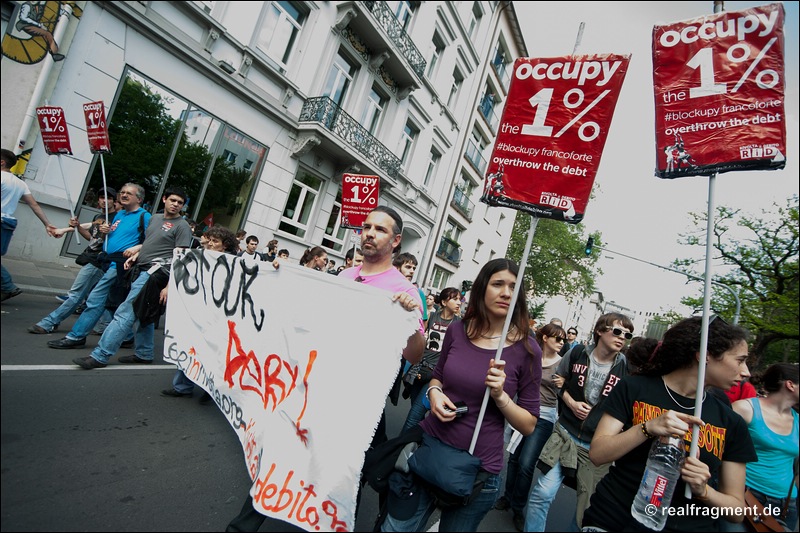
(303,398)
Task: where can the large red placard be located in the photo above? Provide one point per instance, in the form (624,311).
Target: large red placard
(550,139)
(359,197)
(719,93)
(97,128)
(53,126)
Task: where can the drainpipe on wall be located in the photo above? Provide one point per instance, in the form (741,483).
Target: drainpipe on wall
(44,75)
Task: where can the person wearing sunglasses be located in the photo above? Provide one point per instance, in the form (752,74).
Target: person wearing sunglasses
(571,342)
(590,373)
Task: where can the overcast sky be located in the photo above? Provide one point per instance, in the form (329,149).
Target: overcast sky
(638,214)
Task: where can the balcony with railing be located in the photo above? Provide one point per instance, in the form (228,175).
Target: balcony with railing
(450,251)
(462,204)
(473,155)
(399,39)
(322,110)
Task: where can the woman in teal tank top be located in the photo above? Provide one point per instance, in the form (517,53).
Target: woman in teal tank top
(773,425)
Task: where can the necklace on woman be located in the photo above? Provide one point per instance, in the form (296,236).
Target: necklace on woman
(511,330)
(676,401)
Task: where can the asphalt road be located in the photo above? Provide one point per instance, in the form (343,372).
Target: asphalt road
(103,450)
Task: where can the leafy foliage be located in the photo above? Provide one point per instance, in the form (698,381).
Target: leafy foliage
(763,269)
(557,264)
(143,134)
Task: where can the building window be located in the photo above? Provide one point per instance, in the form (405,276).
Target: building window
(441,278)
(452,231)
(438,50)
(404,11)
(205,6)
(279,30)
(229,156)
(340,77)
(474,19)
(210,162)
(477,250)
(500,221)
(407,141)
(433,162)
(500,64)
(300,204)
(335,234)
(465,185)
(455,88)
(374,110)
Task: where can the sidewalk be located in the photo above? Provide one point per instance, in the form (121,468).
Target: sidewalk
(38,277)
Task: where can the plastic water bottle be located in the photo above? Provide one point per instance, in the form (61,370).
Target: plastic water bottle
(658,483)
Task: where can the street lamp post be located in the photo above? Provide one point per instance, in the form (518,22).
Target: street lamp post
(691,276)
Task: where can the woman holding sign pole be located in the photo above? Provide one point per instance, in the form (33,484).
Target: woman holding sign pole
(659,401)
(466,367)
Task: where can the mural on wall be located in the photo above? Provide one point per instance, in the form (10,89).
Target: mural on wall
(29,37)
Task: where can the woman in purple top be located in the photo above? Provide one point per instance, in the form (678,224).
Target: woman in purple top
(466,368)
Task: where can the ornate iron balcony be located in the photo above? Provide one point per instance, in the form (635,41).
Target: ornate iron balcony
(324,111)
(449,251)
(474,156)
(462,204)
(398,35)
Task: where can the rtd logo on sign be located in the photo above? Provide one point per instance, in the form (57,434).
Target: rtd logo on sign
(97,128)
(359,197)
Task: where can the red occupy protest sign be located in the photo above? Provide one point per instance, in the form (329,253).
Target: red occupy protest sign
(97,128)
(53,126)
(552,134)
(719,93)
(359,197)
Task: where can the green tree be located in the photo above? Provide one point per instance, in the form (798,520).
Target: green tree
(763,267)
(142,135)
(557,264)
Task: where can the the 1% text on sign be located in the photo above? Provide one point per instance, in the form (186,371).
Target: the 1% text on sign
(359,197)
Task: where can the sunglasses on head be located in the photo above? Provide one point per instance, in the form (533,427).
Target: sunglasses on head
(359,279)
(617,332)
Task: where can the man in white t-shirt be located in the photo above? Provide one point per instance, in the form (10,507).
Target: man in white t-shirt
(14,190)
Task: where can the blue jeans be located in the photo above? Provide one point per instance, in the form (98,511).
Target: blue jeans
(466,518)
(181,383)
(541,496)
(103,323)
(124,321)
(418,409)
(7,230)
(95,306)
(7,281)
(522,464)
(87,278)
(547,485)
